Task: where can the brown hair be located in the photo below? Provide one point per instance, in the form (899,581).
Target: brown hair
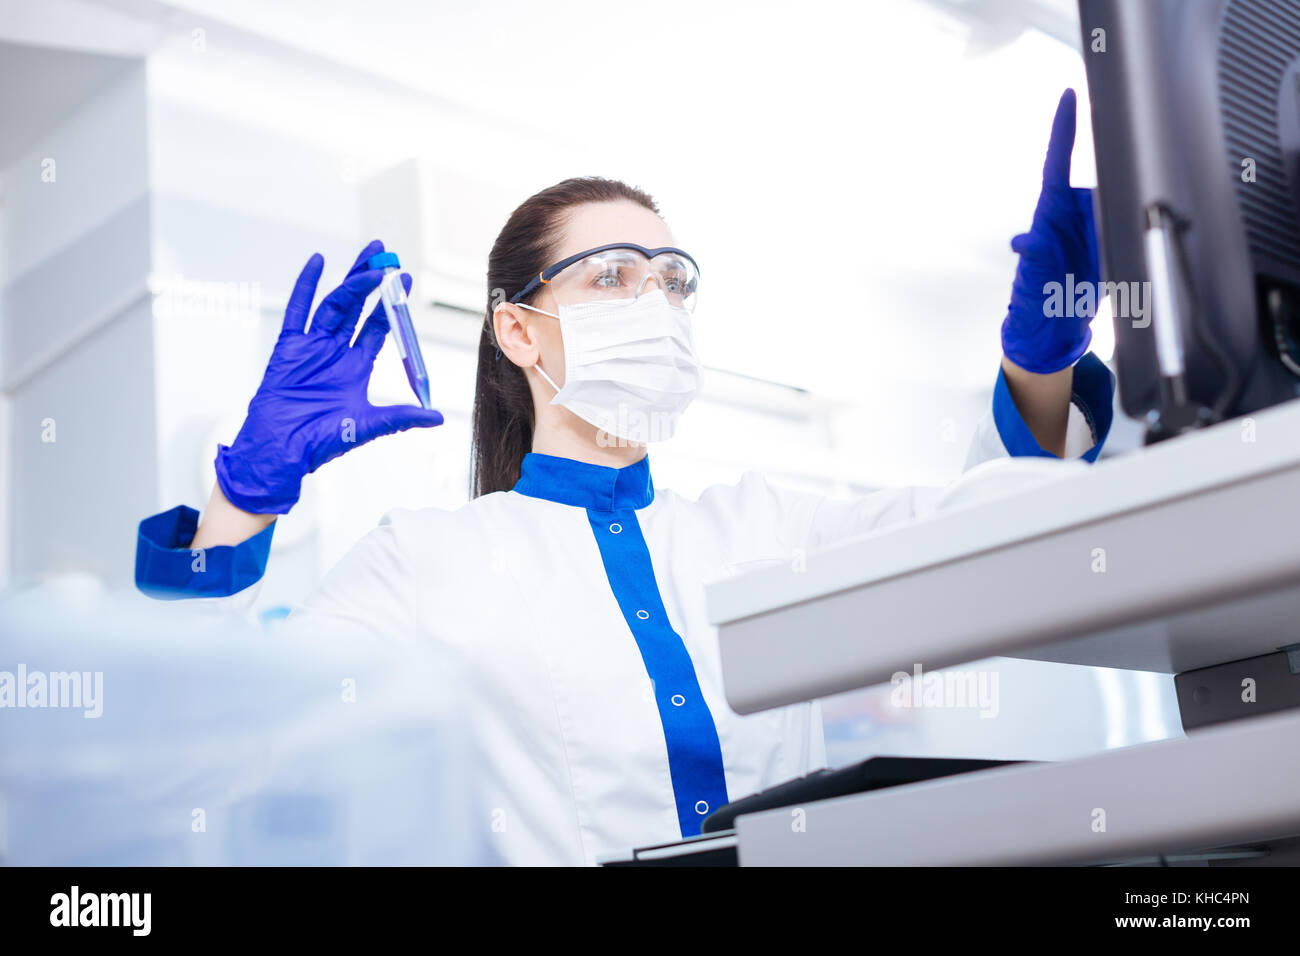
(527,244)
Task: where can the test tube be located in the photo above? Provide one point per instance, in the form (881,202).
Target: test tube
(393,295)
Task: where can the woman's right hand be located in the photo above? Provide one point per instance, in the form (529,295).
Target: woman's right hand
(311,406)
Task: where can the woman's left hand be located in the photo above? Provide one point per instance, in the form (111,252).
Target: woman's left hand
(1044,330)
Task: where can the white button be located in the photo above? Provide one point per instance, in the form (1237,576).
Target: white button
(678,700)
(701,807)
(643,615)
(615,528)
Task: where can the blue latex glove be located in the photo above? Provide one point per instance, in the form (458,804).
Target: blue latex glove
(1061,240)
(311,406)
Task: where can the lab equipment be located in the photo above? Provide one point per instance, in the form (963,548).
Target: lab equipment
(1176,802)
(717,844)
(392,293)
(1245,688)
(874,773)
(1206,578)
(1046,327)
(1195,120)
(311,406)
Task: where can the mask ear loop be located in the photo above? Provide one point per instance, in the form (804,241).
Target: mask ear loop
(549,381)
(540,371)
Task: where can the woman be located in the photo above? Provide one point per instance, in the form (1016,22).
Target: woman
(569,580)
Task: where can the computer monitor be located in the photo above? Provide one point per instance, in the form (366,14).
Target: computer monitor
(1196,124)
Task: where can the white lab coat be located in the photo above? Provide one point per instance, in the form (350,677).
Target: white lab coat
(573,750)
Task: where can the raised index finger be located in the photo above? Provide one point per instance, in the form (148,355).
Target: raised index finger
(1056,169)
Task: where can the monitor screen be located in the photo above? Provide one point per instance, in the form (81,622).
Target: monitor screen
(1196,122)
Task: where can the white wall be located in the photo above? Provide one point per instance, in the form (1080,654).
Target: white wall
(76,352)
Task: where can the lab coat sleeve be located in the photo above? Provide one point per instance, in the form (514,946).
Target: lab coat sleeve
(370,590)
(224,578)
(812,521)
(1003,433)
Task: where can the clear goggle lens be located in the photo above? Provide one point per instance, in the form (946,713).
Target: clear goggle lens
(626,274)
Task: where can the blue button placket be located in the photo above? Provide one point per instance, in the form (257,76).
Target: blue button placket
(611,497)
(694,750)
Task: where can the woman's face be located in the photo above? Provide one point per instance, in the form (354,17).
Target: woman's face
(589,226)
(528,338)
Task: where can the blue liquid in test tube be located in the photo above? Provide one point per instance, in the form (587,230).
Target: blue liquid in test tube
(393,295)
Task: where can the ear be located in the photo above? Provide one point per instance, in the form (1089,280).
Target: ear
(514,337)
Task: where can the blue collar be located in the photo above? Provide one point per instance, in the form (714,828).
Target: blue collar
(584,485)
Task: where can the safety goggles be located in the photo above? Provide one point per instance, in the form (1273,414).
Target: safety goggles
(620,270)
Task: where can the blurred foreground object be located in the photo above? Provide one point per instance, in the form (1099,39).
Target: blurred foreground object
(141,735)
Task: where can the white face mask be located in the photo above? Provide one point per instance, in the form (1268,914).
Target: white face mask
(630,365)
